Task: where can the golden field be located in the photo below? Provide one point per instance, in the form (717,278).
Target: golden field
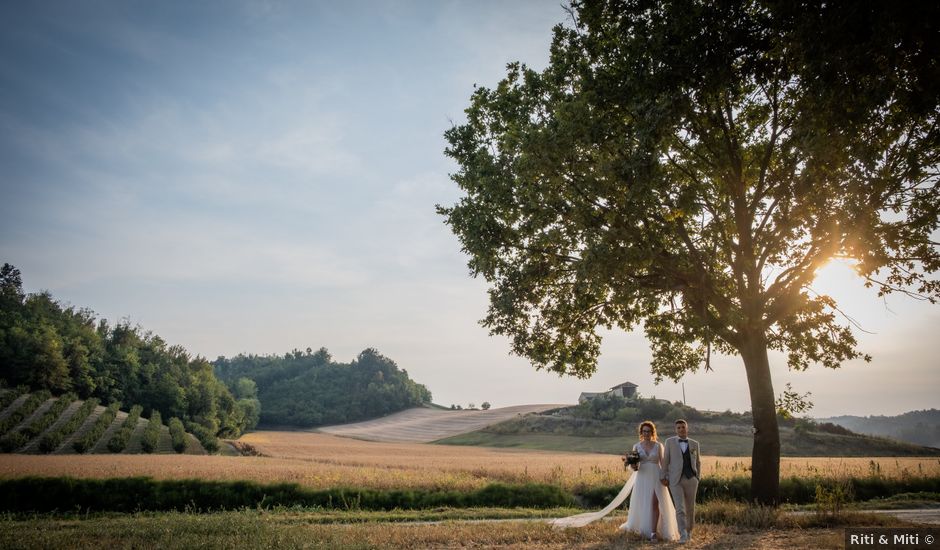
(320,461)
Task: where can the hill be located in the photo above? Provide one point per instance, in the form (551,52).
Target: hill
(918,427)
(609,426)
(424,425)
(306,389)
(38,423)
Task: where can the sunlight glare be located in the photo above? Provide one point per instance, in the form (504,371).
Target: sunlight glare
(836,275)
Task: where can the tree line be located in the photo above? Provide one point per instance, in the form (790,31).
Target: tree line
(307,388)
(45,345)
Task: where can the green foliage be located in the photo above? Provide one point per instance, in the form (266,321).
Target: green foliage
(832,498)
(8,397)
(790,402)
(613,408)
(44,345)
(24,410)
(119,440)
(177,435)
(205,435)
(51,441)
(126,494)
(88,440)
(52,414)
(694,182)
(308,389)
(151,436)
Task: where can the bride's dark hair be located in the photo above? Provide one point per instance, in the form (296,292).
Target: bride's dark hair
(639,430)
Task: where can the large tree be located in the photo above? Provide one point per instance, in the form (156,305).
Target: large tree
(689,166)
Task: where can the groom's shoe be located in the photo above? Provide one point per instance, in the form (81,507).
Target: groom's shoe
(683,537)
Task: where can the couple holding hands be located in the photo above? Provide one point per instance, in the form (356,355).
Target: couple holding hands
(662,491)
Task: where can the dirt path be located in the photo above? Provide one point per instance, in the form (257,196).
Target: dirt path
(929,516)
(425,425)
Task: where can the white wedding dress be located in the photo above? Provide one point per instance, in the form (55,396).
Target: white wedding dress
(641,488)
(647,487)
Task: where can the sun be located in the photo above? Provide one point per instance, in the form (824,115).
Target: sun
(837,273)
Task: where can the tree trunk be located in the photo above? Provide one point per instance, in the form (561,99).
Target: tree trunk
(765,455)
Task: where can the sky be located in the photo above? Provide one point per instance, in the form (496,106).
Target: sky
(261,176)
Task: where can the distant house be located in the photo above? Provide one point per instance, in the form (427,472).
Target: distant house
(627,390)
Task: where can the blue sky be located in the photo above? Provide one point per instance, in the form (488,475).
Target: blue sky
(261,176)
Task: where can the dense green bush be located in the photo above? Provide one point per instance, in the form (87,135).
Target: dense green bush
(119,440)
(40,425)
(151,436)
(88,440)
(178,435)
(133,494)
(24,410)
(205,436)
(13,441)
(51,441)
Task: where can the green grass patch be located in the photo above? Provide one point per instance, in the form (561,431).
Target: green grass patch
(32,494)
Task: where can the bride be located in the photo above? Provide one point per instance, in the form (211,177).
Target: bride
(651,509)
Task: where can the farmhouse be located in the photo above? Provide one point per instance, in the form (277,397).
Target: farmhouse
(627,390)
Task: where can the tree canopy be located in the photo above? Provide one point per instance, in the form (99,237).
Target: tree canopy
(45,345)
(689,166)
(307,388)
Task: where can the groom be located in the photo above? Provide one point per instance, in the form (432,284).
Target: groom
(681,469)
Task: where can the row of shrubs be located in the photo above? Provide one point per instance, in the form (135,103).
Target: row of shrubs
(205,436)
(49,417)
(119,440)
(9,396)
(140,494)
(793,490)
(178,435)
(14,440)
(24,410)
(152,433)
(51,441)
(87,441)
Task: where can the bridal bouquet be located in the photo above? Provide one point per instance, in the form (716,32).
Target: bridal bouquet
(632,459)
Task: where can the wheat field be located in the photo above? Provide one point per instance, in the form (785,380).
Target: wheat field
(321,461)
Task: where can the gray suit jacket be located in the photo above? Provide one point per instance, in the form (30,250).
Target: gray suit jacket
(672,461)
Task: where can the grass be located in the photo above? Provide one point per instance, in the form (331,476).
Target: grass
(288,528)
(714,441)
(324,461)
